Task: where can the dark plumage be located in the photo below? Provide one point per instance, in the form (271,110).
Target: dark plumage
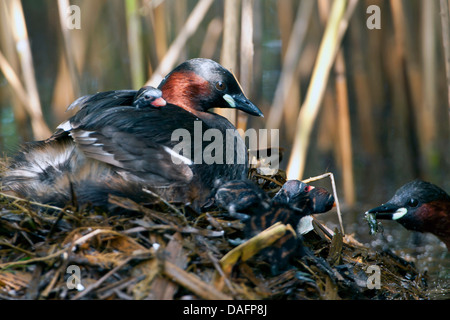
(305,197)
(419,206)
(242,198)
(149,97)
(295,200)
(115,147)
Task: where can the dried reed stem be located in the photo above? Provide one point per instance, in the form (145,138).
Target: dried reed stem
(33,107)
(192,282)
(213,33)
(228,55)
(345,137)
(13,80)
(191,25)
(134,35)
(63,5)
(445,22)
(161,30)
(290,63)
(310,108)
(336,199)
(247,52)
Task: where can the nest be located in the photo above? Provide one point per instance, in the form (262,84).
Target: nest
(164,251)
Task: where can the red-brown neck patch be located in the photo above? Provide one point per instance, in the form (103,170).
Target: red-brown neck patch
(436,219)
(186,90)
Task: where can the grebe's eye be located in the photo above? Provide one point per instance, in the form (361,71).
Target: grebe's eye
(147,96)
(220,85)
(413,202)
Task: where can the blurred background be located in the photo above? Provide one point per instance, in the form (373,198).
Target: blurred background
(371,80)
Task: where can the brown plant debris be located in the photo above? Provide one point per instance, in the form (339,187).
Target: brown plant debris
(173,252)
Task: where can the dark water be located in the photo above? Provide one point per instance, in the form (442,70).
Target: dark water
(426,251)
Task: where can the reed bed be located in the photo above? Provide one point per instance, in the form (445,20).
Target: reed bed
(396,93)
(370,105)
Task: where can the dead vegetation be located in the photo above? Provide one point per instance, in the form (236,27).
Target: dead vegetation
(169,252)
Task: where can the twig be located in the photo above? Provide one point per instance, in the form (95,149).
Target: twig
(269,179)
(4,243)
(39,259)
(55,224)
(109,289)
(221,273)
(60,252)
(336,199)
(86,237)
(178,212)
(101,280)
(192,283)
(31,202)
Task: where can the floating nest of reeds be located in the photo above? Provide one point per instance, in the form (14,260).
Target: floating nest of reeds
(164,251)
